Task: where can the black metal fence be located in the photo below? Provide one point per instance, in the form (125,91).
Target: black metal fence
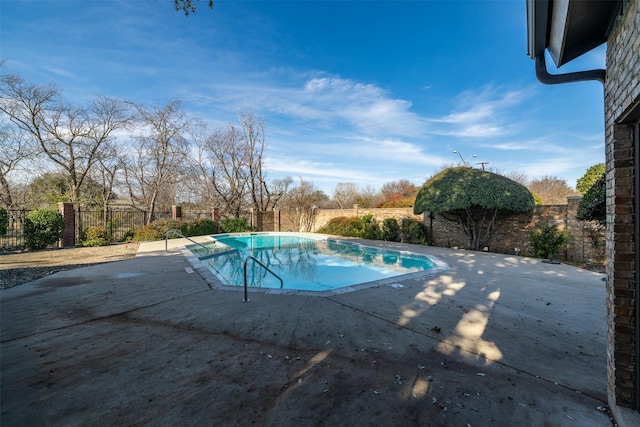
(15,231)
(117,223)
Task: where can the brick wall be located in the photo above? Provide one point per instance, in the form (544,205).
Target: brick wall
(622,95)
(510,234)
(586,241)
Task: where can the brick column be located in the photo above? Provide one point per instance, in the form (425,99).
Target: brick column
(276,220)
(215,216)
(69,217)
(176,212)
(622,104)
(576,229)
(620,247)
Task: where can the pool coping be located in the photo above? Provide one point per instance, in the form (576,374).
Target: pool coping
(215,283)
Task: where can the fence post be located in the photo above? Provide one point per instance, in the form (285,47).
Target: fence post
(276,220)
(108,216)
(176,212)
(215,216)
(69,217)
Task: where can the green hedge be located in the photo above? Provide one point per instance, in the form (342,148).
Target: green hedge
(413,231)
(198,227)
(43,227)
(391,230)
(547,240)
(95,236)
(234,225)
(157,229)
(365,227)
(409,230)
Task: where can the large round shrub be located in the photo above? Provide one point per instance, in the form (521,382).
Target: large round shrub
(474,199)
(43,227)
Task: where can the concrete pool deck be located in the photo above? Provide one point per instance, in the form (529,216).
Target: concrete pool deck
(495,340)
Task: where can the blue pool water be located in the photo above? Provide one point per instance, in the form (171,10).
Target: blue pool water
(303,262)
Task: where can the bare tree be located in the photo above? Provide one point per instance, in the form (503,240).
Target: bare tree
(221,164)
(15,150)
(262,195)
(345,194)
(367,197)
(230,167)
(517,176)
(279,189)
(109,165)
(552,190)
(160,156)
(70,136)
(303,203)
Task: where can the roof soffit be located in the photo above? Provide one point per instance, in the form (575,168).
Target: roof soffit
(568,28)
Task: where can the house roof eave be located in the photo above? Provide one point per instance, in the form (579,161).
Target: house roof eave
(568,28)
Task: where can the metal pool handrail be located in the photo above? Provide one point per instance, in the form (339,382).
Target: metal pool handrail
(173,231)
(246,296)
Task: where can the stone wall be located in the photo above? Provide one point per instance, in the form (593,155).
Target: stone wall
(325,215)
(622,103)
(511,236)
(586,241)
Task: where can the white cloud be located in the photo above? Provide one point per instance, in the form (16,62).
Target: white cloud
(59,71)
(484,113)
(325,102)
(315,170)
(366,107)
(551,166)
(387,151)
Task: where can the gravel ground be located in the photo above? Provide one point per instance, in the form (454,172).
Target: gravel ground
(19,268)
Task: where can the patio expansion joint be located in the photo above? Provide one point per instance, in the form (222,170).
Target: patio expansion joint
(102,318)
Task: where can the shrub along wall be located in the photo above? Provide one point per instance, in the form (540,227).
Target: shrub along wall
(586,241)
(286,221)
(325,215)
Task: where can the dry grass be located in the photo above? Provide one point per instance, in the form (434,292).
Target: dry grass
(19,268)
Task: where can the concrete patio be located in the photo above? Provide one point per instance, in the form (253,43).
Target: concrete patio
(495,340)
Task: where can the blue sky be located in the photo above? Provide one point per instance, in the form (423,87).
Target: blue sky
(350,91)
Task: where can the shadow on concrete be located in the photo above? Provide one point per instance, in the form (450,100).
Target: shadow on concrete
(496,340)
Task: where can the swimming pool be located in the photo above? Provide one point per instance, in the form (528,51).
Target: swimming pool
(305,262)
